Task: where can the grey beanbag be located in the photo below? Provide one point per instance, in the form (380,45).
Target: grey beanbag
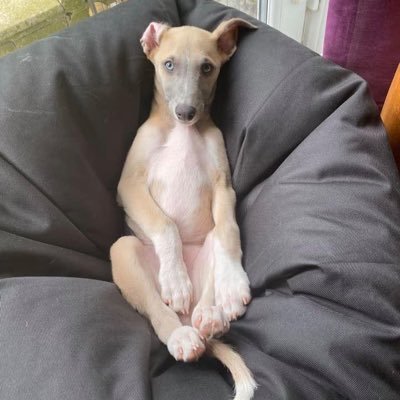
(318,207)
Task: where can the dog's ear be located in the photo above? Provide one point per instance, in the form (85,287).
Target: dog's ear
(226,35)
(151,37)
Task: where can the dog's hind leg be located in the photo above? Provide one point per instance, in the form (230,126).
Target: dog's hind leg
(134,268)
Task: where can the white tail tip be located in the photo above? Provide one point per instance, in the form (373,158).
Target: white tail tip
(244,390)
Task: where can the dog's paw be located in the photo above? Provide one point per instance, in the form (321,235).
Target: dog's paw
(210,321)
(186,344)
(232,291)
(176,288)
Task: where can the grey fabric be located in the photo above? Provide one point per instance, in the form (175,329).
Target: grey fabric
(318,207)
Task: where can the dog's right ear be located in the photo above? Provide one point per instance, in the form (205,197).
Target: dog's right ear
(226,35)
(151,37)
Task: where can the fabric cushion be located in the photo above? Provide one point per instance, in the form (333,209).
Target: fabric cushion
(318,207)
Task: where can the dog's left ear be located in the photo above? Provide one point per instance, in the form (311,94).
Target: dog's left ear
(226,35)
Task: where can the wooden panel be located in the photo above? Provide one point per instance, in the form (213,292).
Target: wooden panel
(391,115)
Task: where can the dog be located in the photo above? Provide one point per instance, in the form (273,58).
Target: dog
(182,267)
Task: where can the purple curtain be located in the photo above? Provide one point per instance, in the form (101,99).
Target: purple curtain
(364,36)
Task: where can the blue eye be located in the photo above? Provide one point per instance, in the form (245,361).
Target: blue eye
(169,65)
(206,68)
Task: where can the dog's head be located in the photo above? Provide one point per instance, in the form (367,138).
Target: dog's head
(187,62)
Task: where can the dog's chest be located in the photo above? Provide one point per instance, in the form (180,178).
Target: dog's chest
(179,179)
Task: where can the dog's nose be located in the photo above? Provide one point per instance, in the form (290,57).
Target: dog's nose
(184,112)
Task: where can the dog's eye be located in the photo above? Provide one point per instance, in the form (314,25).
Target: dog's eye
(169,65)
(206,68)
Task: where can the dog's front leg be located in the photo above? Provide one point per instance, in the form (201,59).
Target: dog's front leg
(139,205)
(232,291)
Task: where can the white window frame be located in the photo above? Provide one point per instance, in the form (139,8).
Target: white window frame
(302,20)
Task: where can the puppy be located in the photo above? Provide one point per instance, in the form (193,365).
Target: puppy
(182,269)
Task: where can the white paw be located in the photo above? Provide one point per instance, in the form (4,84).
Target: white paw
(210,321)
(232,291)
(185,344)
(176,288)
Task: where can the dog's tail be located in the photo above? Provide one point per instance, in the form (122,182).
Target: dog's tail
(245,384)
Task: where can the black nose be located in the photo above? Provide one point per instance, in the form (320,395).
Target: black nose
(184,112)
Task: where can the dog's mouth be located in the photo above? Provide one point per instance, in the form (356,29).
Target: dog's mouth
(186,123)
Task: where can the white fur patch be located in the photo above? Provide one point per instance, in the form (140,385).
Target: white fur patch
(175,285)
(232,287)
(245,389)
(180,166)
(167,246)
(185,344)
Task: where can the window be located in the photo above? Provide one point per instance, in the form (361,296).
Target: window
(302,20)
(248,6)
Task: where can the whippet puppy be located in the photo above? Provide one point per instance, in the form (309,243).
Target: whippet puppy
(182,269)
